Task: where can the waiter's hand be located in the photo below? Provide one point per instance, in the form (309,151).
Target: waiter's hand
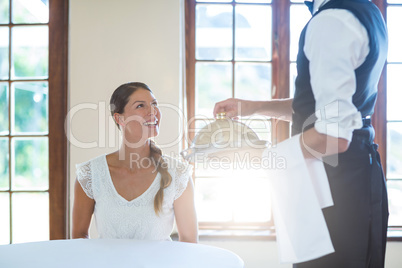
(234,108)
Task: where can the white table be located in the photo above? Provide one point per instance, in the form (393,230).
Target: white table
(112,253)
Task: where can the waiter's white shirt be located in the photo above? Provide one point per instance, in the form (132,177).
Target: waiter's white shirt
(336,44)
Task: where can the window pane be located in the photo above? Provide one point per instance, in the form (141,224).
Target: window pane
(4,219)
(394,152)
(4,11)
(4,63)
(255,204)
(30,164)
(213,199)
(394,1)
(217,199)
(213,32)
(30,217)
(3,108)
(213,83)
(4,164)
(253,81)
(253,32)
(30,11)
(299,16)
(30,46)
(394,21)
(395,202)
(394,93)
(30,107)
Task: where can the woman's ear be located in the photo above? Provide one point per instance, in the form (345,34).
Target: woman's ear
(119,119)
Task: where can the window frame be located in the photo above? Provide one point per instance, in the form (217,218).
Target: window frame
(379,118)
(280,129)
(57,111)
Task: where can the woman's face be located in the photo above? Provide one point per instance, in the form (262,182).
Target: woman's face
(141,117)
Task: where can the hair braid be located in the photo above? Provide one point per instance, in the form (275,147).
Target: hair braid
(166,178)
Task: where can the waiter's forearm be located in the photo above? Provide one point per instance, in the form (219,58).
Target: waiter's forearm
(315,144)
(279,109)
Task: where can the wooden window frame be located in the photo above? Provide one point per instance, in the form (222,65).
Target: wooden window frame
(280,129)
(58,108)
(57,102)
(379,118)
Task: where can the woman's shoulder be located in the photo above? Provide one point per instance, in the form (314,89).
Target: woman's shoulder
(181,172)
(88,163)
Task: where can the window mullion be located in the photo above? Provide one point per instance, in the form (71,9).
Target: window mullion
(9,123)
(233,48)
(379,118)
(190,67)
(280,63)
(58,105)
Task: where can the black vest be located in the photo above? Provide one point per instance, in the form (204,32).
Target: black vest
(367,75)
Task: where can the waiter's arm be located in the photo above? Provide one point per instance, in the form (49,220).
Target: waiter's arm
(315,144)
(278,108)
(332,65)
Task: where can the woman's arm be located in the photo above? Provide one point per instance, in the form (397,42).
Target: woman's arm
(186,218)
(82,212)
(279,109)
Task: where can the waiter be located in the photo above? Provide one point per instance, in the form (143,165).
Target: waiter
(342,51)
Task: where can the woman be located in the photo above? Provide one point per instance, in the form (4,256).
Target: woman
(135,192)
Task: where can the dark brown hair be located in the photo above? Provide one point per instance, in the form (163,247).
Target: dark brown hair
(118,101)
(121,95)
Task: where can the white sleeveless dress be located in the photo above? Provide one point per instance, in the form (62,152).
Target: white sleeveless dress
(116,217)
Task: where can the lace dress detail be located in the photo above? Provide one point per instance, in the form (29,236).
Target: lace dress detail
(181,172)
(117,217)
(84,176)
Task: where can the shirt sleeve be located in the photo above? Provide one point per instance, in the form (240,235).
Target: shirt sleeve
(336,45)
(84,177)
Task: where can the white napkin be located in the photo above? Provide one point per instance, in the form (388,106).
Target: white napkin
(299,189)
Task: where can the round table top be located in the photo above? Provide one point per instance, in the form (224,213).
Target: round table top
(113,253)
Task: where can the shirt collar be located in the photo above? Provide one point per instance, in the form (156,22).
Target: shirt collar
(318,4)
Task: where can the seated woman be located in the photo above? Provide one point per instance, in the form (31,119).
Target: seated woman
(135,192)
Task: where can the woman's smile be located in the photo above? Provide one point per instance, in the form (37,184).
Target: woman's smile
(153,123)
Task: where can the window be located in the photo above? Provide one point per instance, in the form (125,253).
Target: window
(247,49)
(393,122)
(32,97)
(232,51)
